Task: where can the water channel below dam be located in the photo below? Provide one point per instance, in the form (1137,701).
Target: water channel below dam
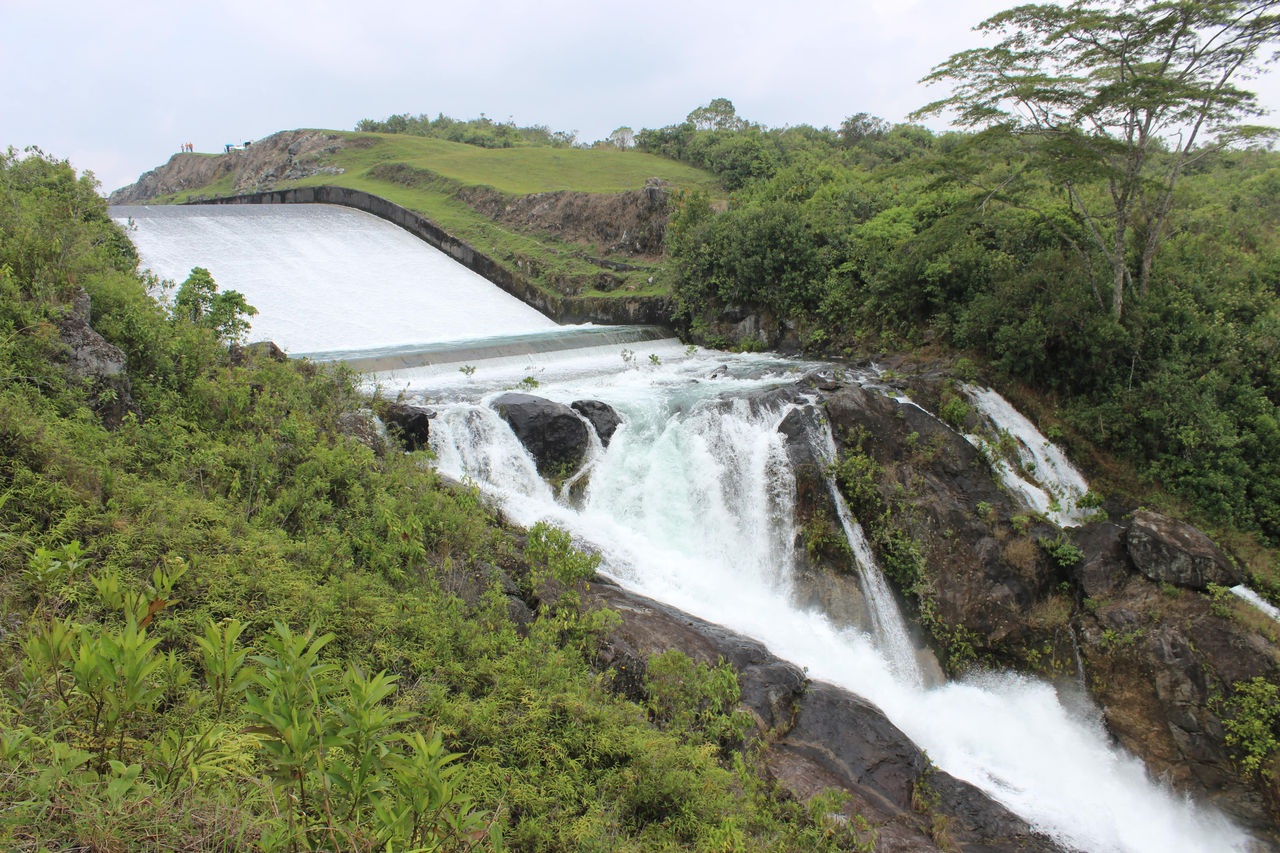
(692,501)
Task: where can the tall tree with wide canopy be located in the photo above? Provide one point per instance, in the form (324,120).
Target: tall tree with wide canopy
(1129,92)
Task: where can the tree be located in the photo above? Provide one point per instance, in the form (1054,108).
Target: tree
(720,114)
(199,301)
(861,126)
(623,138)
(1129,92)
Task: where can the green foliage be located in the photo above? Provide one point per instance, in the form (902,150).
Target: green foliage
(1069,77)
(1062,551)
(916,251)
(858,474)
(482,132)
(1251,719)
(693,698)
(1222,601)
(551,554)
(954,409)
(223,312)
(159,688)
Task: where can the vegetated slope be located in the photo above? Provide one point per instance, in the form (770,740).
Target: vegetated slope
(572,221)
(900,239)
(225,623)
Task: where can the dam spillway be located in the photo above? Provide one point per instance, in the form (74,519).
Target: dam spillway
(331,282)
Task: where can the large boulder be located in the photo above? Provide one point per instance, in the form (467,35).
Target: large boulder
(95,362)
(411,423)
(553,433)
(603,418)
(1104,564)
(1170,551)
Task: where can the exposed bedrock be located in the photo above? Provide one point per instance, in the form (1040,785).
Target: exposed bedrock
(98,364)
(602,417)
(410,424)
(289,155)
(1119,604)
(1172,552)
(820,737)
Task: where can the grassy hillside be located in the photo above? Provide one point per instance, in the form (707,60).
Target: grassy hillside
(524,170)
(552,259)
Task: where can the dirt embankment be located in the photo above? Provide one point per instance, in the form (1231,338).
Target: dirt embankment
(289,155)
(632,224)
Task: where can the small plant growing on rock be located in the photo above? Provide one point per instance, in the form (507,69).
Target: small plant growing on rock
(1222,599)
(688,697)
(1062,551)
(1249,718)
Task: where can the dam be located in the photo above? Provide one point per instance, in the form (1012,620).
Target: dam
(691,502)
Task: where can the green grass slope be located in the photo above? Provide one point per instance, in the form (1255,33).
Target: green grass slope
(523,170)
(553,262)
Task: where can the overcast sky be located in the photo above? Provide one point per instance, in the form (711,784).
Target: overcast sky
(118,87)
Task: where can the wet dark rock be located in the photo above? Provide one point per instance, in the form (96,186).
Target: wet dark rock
(824,577)
(986,575)
(1105,565)
(552,432)
(1152,652)
(1174,552)
(819,737)
(96,363)
(411,424)
(603,418)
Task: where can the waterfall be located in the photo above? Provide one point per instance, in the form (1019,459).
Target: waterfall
(1243,592)
(1043,477)
(692,503)
(886,618)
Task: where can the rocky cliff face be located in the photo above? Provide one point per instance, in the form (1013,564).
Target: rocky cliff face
(1131,605)
(286,156)
(629,223)
(818,737)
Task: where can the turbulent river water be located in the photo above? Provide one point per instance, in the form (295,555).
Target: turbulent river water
(692,503)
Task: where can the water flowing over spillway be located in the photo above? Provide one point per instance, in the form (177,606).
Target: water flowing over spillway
(693,503)
(325,277)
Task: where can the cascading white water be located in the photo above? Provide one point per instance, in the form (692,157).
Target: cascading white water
(1243,592)
(1046,481)
(691,504)
(887,623)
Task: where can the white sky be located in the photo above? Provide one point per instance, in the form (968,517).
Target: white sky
(118,87)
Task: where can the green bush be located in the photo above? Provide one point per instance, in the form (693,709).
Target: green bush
(1250,717)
